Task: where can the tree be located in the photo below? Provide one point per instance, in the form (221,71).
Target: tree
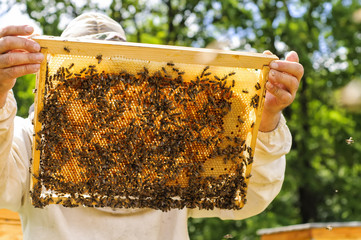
(322,177)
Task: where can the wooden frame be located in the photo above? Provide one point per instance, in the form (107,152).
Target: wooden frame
(147,52)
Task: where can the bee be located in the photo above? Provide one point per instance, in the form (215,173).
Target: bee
(245,91)
(349,141)
(237,140)
(165,71)
(224,78)
(240,120)
(71,65)
(35,90)
(257,86)
(207,74)
(254,101)
(99,57)
(231,74)
(67,49)
(329,227)
(170,64)
(228,236)
(204,71)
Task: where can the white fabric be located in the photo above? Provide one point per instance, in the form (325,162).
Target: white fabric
(94,26)
(56,222)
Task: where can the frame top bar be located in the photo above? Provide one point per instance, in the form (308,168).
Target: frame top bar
(154,52)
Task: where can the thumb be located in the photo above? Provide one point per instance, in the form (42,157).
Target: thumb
(292,57)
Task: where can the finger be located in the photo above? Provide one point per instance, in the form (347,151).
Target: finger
(284,97)
(289,82)
(9,43)
(268,52)
(18,58)
(18,71)
(292,57)
(16,31)
(293,68)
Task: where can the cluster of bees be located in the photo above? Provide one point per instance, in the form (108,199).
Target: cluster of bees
(138,140)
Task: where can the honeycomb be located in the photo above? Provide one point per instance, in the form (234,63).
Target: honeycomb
(123,132)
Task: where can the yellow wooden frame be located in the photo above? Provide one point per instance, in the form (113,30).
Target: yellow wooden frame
(148,52)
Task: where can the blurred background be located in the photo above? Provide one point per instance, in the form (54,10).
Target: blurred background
(323,182)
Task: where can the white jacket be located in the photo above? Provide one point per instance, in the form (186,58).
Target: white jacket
(57,222)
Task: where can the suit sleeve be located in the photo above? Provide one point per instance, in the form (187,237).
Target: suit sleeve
(15,152)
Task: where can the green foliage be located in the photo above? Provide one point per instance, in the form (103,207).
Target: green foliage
(322,179)
(23,91)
